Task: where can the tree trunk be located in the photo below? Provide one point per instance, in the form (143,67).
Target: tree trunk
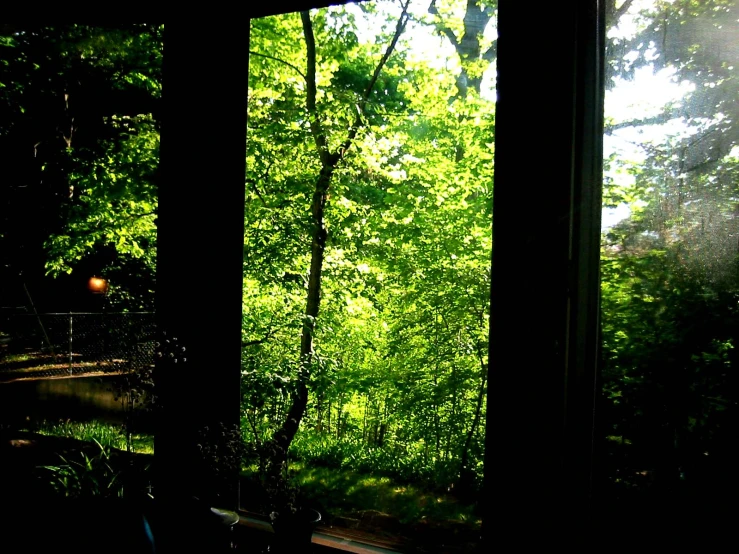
(468,46)
(466,473)
(283,437)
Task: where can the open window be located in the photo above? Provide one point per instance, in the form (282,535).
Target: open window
(367,265)
(547,209)
(541,483)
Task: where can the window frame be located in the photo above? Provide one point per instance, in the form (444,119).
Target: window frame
(545,283)
(545,280)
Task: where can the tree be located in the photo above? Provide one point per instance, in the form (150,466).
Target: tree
(669,270)
(476,52)
(401,339)
(80,142)
(329,157)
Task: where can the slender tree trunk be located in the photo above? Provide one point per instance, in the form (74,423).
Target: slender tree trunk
(478,407)
(300,397)
(465,472)
(339,409)
(328,423)
(364,420)
(284,436)
(319,413)
(452,425)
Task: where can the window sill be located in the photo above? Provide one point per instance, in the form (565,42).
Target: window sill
(325,539)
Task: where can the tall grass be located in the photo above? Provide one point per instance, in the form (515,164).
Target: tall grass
(107,434)
(409,466)
(79,475)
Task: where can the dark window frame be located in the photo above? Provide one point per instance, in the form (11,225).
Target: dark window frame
(544,294)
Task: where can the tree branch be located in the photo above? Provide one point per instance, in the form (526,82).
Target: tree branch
(254,430)
(399,28)
(621,11)
(253,184)
(319,136)
(654,120)
(139,216)
(441,27)
(288,64)
(489,54)
(268,335)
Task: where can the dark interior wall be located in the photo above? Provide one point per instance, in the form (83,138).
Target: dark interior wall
(200,222)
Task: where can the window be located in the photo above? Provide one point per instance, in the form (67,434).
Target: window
(369,186)
(539,448)
(564,463)
(209,288)
(668,419)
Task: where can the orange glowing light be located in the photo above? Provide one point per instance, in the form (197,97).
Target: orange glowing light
(97,285)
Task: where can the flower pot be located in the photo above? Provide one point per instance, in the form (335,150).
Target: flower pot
(293,531)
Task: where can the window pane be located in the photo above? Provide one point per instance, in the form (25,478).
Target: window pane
(369,188)
(669,254)
(79,138)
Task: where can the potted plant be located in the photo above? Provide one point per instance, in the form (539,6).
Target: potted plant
(205,506)
(219,459)
(293,520)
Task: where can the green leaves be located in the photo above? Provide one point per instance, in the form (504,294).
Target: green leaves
(86,476)
(81,142)
(401,338)
(112,199)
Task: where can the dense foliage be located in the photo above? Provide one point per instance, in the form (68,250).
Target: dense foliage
(669,270)
(398,365)
(79,136)
(368,224)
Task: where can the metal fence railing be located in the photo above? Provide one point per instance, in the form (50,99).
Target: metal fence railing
(42,345)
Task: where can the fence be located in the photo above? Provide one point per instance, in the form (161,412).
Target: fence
(47,345)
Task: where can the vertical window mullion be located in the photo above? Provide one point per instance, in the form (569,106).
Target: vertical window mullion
(545,267)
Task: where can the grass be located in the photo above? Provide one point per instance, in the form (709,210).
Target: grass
(95,475)
(376,504)
(339,492)
(16,358)
(106,434)
(346,493)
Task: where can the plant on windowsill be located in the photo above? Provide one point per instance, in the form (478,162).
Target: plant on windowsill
(292,520)
(219,458)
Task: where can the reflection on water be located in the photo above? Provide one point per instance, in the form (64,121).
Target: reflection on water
(74,398)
